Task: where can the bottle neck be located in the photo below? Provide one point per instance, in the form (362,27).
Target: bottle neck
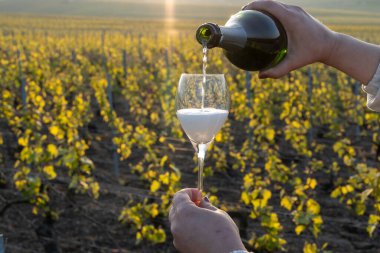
(228,38)
(209,34)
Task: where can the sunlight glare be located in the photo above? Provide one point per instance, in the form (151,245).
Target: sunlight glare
(169,14)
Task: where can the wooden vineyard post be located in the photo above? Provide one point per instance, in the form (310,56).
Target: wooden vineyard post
(167,80)
(125,69)
(22,80)
(139,47)
(115,155)
(46,38)
(2,246)
(356,93)
(23,95)
(248,85)
(309,100)
(74,56)
(21,75)
(167,64)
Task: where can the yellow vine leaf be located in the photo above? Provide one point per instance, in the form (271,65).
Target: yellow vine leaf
(52,149)
(151,174)
(20,184)
(266,194)
(311,182)
(270,134)
(214,200)
(6,94)
(248,181)
(95,189)
(373,222)
(138,237)
(295,124)
(310,248)
(286,203)
(57,132)
(154,210)
(155,186)
(155,119)
(163,161)
(336,193)
(299,229)
(218,137)
(245,198)
(54,130)
(23,141)
(360,209)
(313,207)
(49,171)
(364,195)
(164,178)
(318,220)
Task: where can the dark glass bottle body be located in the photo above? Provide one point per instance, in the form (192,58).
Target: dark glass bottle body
(251,40)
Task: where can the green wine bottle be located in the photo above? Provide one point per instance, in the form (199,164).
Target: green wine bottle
(252,40)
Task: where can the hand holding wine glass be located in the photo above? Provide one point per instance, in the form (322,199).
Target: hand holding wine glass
(202,228)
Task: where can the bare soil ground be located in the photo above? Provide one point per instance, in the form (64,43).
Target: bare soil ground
(88,225)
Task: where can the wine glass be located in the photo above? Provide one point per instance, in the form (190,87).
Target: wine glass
(202,105)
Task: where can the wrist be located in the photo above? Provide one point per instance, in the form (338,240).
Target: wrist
(332,48)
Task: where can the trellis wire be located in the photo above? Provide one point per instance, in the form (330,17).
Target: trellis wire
(309,100)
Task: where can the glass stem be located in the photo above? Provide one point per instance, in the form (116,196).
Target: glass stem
(201,159)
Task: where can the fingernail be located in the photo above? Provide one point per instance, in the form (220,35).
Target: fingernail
(206,199)
(245,6)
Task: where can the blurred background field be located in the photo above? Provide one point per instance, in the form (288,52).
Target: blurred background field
(332,12)
(91,151)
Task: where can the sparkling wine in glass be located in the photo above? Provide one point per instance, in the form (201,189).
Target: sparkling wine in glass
(202,105)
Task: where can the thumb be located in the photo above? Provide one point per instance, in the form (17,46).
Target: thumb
(187,196)
(206,204)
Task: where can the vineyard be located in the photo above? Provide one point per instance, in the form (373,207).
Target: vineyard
(91,151)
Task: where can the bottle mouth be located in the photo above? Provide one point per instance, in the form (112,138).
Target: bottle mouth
(208,34)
